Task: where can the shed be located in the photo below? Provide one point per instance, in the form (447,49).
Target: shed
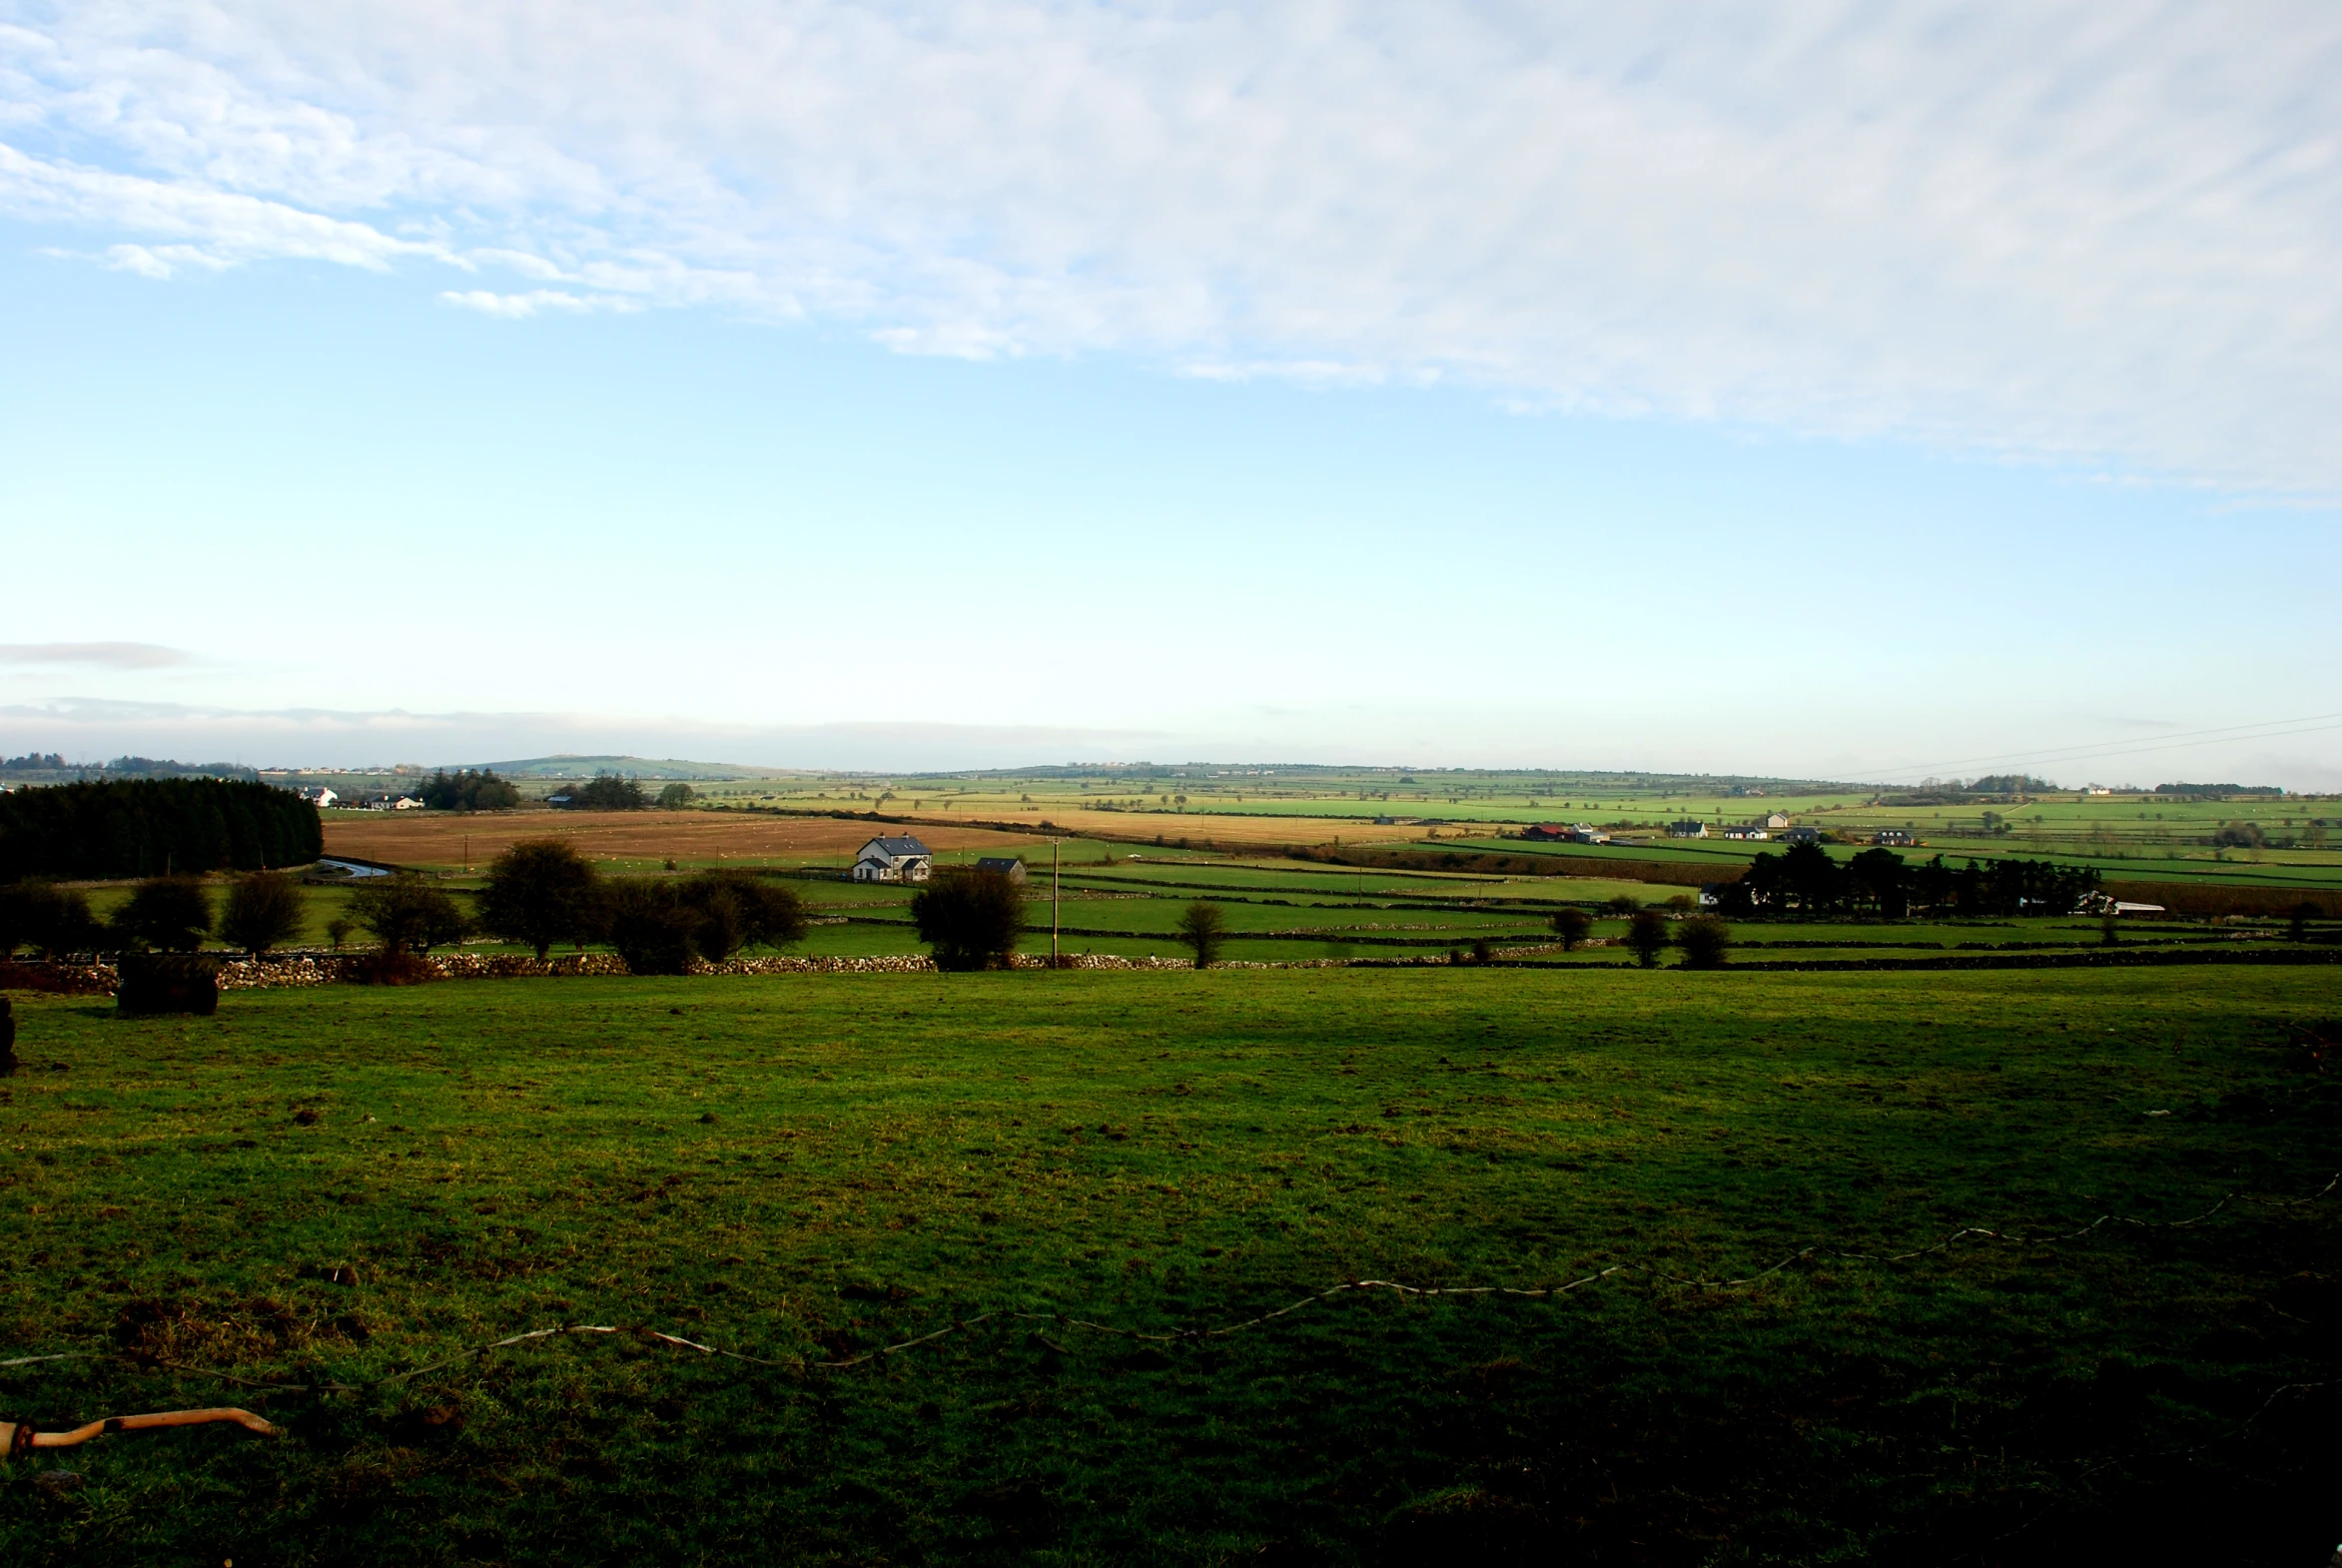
(1008,866)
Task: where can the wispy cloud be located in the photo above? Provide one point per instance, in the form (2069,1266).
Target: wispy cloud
(2109,234)
(89,655)
(518,307)
(218,228)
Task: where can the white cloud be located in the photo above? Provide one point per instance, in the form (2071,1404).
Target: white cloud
(89,655)
(2108,232)
(217,226)
(516,307)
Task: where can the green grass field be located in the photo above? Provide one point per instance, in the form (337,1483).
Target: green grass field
(346,1183)
(2133,834)
(1282,911)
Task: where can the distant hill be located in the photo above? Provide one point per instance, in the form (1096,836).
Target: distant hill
(571,767)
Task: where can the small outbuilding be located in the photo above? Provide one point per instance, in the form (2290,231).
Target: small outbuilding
(899,859)
(1008,866)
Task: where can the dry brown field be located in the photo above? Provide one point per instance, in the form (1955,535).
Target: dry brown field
(1142,827)
(415,839)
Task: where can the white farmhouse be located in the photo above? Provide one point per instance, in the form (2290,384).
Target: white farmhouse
(893,860)
(319,796)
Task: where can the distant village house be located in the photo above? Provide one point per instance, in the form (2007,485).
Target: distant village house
(1896,838)
(1008,866)
(1688,828)
(394,803)
(902,859)
(319,796)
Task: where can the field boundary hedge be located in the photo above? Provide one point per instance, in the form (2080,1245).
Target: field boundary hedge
(2113,958)
(1496,862)
(2189,897)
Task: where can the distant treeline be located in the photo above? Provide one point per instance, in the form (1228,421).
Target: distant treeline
(1879,882)
(127,767)
(465,790)
(2009,784)
(146,826)
(2218,789)
(2006,786)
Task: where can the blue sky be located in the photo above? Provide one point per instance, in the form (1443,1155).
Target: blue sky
(434,391)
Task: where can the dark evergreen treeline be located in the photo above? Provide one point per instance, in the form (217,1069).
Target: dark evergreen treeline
(1879,882)
(146,826)
(464,790)
(603,792)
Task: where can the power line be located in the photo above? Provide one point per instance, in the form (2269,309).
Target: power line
(2268,729)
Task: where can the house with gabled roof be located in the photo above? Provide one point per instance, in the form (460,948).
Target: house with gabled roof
(894,858)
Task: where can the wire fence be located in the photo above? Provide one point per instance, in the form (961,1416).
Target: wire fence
(1348,1287)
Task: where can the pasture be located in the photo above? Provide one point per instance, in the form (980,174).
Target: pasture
(1123,901)
(341,1186)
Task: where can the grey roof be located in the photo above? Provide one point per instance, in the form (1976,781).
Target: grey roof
(998,862)
(898,846)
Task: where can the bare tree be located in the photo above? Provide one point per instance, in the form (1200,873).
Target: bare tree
(1706,942)
(1646,933)
(971,917)
(407,914)
(1203,927)
(262,911)
(172,914)
(541,891)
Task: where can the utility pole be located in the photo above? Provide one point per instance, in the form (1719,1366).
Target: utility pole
(1055,855)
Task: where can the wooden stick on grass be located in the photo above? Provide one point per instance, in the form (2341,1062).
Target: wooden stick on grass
(17,1438)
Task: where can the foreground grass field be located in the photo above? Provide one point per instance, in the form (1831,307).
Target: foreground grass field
(348,1183)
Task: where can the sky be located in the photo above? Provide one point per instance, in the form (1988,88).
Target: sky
(1872,391)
